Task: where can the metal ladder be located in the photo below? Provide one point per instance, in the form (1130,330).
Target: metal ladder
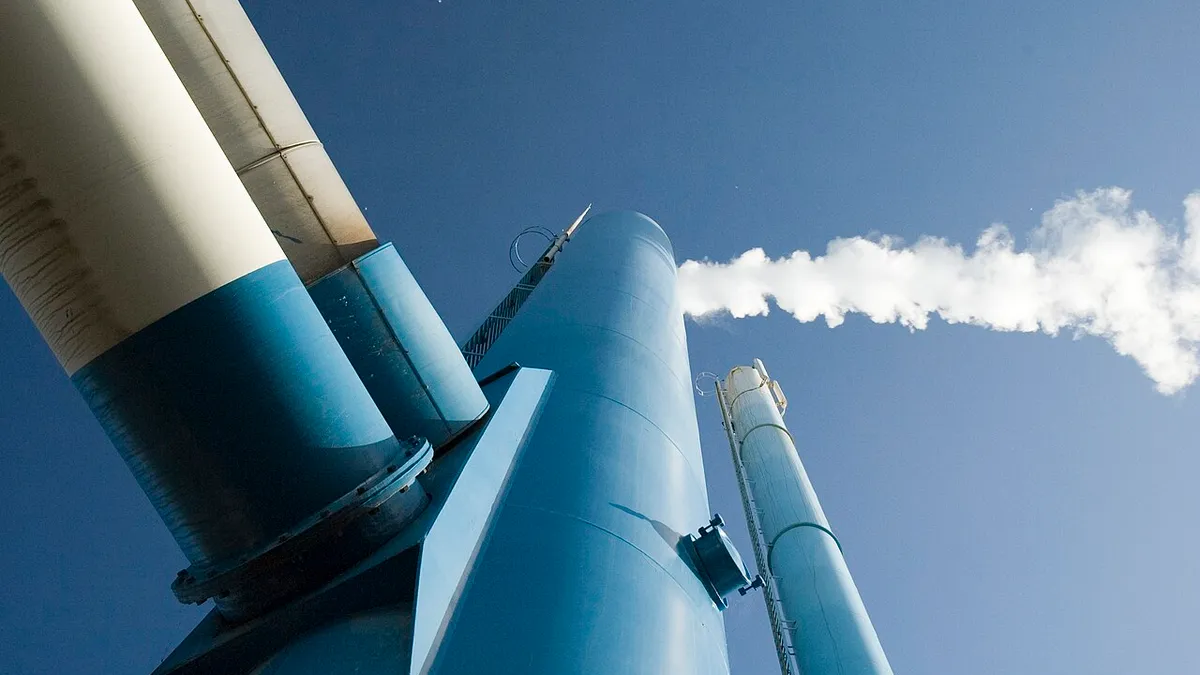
(489,331)
(781,627)
(476,346)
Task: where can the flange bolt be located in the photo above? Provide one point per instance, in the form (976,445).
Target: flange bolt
(758,582)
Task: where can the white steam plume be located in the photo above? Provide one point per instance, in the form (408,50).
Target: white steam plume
(1092,267)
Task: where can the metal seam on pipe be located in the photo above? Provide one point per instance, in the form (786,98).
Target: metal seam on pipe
(796,526)
(747,391)
(678,450)
(746,435)
(263,123)
(278,152)
(647,347)
(652,559)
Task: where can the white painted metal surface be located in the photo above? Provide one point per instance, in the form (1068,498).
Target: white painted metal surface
(238,89)
(123,207)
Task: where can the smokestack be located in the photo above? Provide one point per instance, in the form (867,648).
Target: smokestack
(819,606)
(133,246)
(588,559)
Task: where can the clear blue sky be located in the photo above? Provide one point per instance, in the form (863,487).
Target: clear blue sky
(1007,503)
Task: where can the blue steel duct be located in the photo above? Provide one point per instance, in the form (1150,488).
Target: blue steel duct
(400,348)
(233,443)
(819,605)
(587,563)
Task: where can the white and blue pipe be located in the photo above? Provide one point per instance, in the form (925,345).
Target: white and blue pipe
(128,237)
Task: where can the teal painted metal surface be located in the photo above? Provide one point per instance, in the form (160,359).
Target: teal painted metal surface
(312,552)
(387,614)
(473,483)
(239,416)
(820,605)
(400,348)
(586,570)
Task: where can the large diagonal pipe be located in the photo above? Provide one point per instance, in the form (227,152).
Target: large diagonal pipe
(385,323)
(252,113)
(131,243)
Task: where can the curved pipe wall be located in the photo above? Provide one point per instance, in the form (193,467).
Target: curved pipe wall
(398,344)
(239,91)
(831,631)
(394,338)
(132,244)
(585,562)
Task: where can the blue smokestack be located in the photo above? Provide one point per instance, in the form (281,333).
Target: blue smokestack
(586,569)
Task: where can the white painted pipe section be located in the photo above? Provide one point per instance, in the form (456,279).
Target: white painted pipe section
(831,631)
(238,89)
(118,205)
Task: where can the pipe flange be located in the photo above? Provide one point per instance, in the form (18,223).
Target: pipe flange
(316,549)
(717,562)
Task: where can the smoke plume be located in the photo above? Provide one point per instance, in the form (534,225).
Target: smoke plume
(1093,267)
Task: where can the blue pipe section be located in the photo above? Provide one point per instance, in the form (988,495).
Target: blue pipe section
(586,569)
(400,348)
(239,415)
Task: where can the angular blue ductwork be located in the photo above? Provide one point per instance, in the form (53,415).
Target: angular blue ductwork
(390,612)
